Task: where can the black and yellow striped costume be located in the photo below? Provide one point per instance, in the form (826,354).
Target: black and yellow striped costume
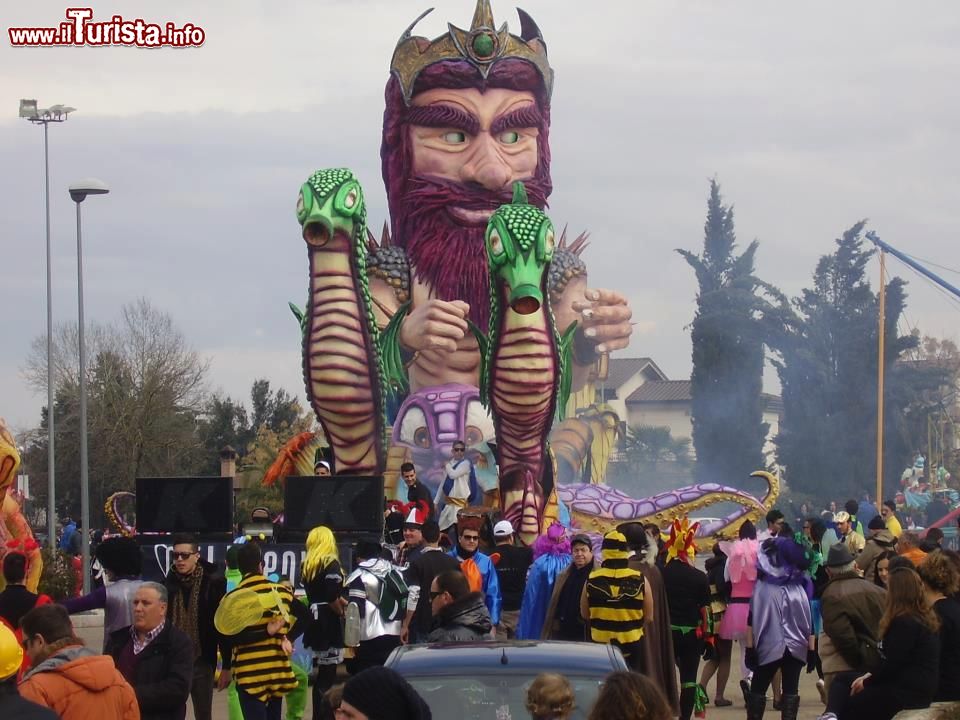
(615,595)
(260,666)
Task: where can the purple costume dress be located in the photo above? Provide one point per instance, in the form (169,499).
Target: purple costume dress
(781,620)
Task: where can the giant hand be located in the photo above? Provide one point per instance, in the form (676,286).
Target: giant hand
(435,325)
(604,324)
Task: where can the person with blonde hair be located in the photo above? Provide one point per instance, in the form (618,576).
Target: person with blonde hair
(630,696)
(322,578)
(550,697)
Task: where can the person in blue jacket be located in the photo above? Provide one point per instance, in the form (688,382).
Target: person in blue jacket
(478,568)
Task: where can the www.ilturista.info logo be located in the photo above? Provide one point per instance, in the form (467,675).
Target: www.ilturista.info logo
(79,29)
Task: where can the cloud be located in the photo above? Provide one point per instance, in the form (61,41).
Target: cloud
(811,116)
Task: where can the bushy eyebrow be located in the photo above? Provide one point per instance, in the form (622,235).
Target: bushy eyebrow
(443,116)
(525,117)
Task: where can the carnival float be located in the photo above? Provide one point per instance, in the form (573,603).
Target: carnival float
(470,318)
(15,532)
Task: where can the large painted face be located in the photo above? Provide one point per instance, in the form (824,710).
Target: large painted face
(432,419)
(472,137)
(450,160)
(520,241)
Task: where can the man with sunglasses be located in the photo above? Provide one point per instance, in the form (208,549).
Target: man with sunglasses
(458,489)
(459,615)
(477,567)
(195,588)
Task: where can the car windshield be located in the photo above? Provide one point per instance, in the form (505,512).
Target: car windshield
(494,697)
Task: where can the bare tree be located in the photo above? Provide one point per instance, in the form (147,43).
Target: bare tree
(146,387)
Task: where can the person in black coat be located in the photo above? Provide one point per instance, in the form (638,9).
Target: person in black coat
(195,589)
(419,576)
(458,614)
(940,581)
(322,577)
(416,490)
(910,659)
(154,656)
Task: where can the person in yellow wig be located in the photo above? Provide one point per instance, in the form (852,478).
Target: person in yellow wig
(614,601)
(322,578)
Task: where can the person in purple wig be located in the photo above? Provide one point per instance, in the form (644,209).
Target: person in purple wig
(551,557)
(466,116)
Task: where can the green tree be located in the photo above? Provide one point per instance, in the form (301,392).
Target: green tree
(735,314)
(647,446)
(828,376)
(223,422)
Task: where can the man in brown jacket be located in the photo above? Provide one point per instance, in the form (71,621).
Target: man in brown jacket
(879,540)
(852,608)
(74,681)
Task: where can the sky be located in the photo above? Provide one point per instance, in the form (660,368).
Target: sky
(812,116)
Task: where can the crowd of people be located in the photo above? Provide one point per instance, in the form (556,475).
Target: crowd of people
(873,610)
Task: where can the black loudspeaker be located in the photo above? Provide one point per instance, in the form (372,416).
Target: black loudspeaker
(202,505)
(345,504)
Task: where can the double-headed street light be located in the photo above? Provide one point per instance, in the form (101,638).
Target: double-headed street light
(78,193)
(45,116)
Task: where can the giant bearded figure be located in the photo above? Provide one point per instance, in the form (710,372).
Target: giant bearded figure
(467,115)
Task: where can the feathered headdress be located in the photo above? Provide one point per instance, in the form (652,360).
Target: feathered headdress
(680,543)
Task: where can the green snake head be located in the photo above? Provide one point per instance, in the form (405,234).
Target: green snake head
(520,242)
(329,201)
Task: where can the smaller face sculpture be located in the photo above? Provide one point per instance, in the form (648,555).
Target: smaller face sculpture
(432,420)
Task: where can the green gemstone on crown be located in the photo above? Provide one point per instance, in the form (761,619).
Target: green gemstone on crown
(483,45)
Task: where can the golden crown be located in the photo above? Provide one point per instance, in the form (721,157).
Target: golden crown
(482,45)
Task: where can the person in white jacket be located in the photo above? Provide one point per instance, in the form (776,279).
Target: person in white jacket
(459,489)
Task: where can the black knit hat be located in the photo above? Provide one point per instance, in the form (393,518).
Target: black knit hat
(382,694)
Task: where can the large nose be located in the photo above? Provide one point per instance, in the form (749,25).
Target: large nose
(486,165)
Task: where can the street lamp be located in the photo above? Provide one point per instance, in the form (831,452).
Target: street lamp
(78,193)
(45,116)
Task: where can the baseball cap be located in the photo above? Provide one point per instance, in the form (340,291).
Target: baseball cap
(581,539)
(503,529)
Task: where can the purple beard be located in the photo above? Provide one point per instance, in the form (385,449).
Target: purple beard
(448,257)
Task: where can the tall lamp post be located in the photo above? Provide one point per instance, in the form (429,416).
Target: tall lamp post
(45,116)
(78,193)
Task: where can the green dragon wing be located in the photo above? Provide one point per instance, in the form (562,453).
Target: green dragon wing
(484,344)
(388,345)
(300,315)
(565,351)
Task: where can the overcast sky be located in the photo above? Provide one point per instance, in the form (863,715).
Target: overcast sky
(812,116)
